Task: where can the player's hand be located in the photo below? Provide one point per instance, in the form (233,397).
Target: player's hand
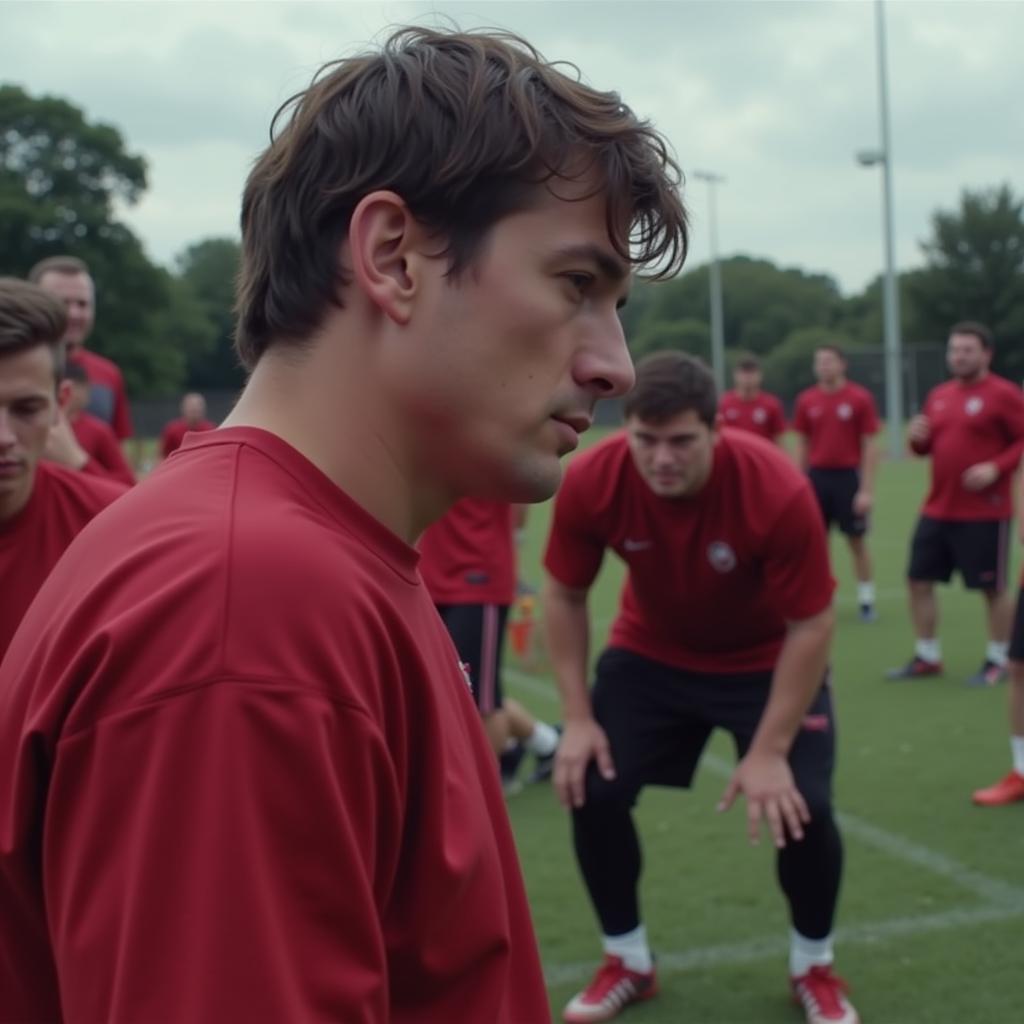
(980,475)
(62,446)
(920,429)
(772,797)
(862,502)
(582,741)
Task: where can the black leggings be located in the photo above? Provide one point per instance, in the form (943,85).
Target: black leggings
(610,859)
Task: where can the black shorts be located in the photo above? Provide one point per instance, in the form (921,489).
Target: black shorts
(658,720)
(835,490)
(979,551)
(478,631)
(1017,636)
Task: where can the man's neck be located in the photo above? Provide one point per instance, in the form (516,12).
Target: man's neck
(976,378)
(837,385)
(342,434)
(748,394)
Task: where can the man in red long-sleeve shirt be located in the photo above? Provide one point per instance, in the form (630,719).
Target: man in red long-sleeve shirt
(241,771)
(973,428)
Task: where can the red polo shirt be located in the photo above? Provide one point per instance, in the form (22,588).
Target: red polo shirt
(835,424)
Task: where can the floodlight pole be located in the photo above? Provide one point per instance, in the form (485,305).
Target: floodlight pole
(715,276)
(890,294)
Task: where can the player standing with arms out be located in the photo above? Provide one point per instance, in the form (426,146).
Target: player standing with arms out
(835,422)
(725,622)
(192,418)
(973,428)
(42,506)
(748,406)
(266,791)
(468,562)
(69,279)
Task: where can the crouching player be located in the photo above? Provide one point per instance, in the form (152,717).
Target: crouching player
(725,622)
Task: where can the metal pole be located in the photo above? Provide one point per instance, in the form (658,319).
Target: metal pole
(891,298)
(715,277)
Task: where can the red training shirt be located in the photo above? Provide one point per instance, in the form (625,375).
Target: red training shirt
(266,791)
(713,579)
(174,433)
(107,398)
(835,423)
(61,503)
(103,448)
(468,556)
(762,415)
(982,422)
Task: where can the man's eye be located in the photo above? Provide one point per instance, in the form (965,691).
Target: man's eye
(581,282)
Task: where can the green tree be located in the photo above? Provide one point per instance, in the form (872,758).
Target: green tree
(62,178)
(688,335)
(788,368)
(975,271)
(209,269)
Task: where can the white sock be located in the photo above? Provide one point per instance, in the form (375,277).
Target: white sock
(996,653)
(632,949)
(866,593)
(807,953)
(928,650)
(543,740)
(1017,747)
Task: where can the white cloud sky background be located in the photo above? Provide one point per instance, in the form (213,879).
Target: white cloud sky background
(776,96)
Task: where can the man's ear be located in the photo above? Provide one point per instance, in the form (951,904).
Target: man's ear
(387,253)
(64,388)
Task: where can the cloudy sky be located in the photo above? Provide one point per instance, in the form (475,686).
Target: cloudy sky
(775,96)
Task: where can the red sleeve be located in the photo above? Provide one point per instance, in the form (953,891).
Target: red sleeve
(575,549)
(167,445)
(1009,460)
(202,889)
(922,447)
(109,454)
(868,415)
(796,569)
(800,421)
(122,422)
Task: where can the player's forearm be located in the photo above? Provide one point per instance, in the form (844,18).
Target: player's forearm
(869,465)
(798,675)
(567,631)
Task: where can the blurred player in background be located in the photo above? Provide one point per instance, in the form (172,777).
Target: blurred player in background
(43,506)
(192,418)
(267,793)
(81,440)
(725,622)
(468,562)
(836,422)
(69,279)
(748,406)
(972,427)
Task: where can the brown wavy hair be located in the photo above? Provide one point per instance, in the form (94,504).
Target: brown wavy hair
(464,127)
(30,316)
(669,383)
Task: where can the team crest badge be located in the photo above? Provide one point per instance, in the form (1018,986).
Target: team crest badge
(974,405)
(760,415)
(845,411)
(721,556)
(731,414)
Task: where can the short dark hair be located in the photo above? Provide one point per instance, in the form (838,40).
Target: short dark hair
(979,330)
(669,383)
(29,317)
(833,348)
(749,362)
(69,265)
(464,127)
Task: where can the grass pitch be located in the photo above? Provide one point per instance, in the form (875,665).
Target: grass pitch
(931,922)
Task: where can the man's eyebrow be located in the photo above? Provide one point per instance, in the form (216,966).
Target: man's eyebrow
(610,266)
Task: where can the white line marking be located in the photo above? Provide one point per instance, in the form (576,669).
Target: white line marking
(990,890)
(776,947)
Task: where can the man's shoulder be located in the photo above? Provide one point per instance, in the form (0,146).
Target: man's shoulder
(760,467)
(94,362)
(600,465)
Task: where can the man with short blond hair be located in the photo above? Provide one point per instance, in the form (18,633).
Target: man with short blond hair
(69,279)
